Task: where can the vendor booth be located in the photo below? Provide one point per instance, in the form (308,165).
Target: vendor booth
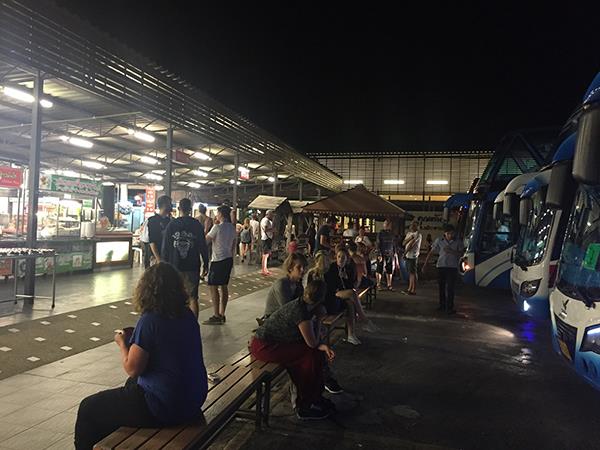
(282,220)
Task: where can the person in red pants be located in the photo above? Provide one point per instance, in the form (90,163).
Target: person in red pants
(288,338)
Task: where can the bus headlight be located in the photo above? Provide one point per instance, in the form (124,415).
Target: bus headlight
(464,264)
(529,288)
(591,340)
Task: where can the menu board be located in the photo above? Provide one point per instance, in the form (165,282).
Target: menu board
(11,177)
(58,183)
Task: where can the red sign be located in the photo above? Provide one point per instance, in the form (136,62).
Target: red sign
(10,177)
(244,173)
(150,199)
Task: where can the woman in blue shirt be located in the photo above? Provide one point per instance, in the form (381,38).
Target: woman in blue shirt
(163,358)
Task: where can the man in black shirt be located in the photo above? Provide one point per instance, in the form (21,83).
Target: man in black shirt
(157,225)
(386,244)
(323,240)
(183,245)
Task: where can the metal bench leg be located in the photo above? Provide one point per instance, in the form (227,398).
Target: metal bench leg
(267,402)
(259,406)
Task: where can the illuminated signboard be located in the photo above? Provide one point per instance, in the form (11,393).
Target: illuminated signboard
(244,173)
(11,177)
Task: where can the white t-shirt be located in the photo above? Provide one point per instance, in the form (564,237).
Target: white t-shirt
(365,240)
(255,227)
(264,224)
(222,235)
(350,232)
(413,251)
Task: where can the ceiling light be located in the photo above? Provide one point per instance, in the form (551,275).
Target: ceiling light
(233,182)
(108,183)
(153,176)
(26,97)
(148,160)
(70,173)
(200,173)
(142,136)
(393,181)
(285,176)
(159,171)
(202,156)
(77,142)
(46,103)
(93,165)
(183,183)
(194,185)
(353,181)
(437,182)
(158,187)
(271,179)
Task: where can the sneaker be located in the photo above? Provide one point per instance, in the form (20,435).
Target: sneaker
(390,288)
(370,327)
(214,320)
(333,387)
(327,404)
(353,340)
(315,412)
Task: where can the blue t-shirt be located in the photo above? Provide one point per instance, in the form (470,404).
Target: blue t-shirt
(175,379)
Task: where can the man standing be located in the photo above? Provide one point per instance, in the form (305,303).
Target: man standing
(362,238)
(449,250)
(266,239)
(184,243)
(386,244)
(323,239)
(157,225)
(412,249)
(223,238)
(255,231)
(352,231)
(207,224)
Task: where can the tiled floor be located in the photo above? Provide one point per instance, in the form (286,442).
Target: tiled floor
(38,408)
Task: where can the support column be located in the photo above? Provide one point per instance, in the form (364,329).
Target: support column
(275,184)
(33,183)
(236,175)
(300,190)
(169,169)
(318,193)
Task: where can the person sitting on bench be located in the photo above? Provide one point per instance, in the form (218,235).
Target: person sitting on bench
(289,287)
(288,338)
(163,358)
(360,267)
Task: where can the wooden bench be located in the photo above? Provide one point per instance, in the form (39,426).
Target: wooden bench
(367,296)
(241,378)
(331,323)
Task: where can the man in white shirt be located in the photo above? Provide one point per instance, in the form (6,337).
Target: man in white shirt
(362,238)
(266,239)
(255,230)
(412,249)
(223,238)
(352,230)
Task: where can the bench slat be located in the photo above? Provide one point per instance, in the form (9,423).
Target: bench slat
(235,359)
(363,292)
(137,439)
(223,374)
(224,386)
(224,407)
(246,361)
(331,319)
(163,437)
(115,438)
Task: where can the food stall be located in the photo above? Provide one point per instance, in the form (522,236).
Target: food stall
(282,220)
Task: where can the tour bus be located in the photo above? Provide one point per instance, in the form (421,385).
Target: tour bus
(487,243)
(536,254)
(456,208)
(574,308)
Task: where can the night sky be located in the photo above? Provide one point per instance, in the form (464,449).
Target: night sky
(371,78)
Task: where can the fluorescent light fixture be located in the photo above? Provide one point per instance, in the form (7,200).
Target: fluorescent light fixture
(271,179)
(182,183)
(233,182)
(159,187)
(77,142)
(153,176)
(93,165)
(353,181)
(257,150)
(148,160)
(436,182)
(200,173)
(44,103)
(26,97)
(202,156)
(70,173)
(159,171)
(141,135)
(282,176)
(108,183)
(393,181)
(194,185)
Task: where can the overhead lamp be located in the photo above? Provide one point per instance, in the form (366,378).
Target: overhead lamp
(353,181)
(159,187)
(234,182)
(26,97)
(70,173)
(200,173)
(182,183)
(393,181)
(77,142)
(141,135)
(149,160)
(153,176)
(271,179)
(194,185)
(159,171)
(202,156)
(282,176)
(108,183)
(258,150)
(436,182)
(93,165)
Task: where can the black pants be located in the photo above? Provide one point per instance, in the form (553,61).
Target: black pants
(147,254)
(102,413)
(446,282)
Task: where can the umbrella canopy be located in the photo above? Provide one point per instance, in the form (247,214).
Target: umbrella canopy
(357,202)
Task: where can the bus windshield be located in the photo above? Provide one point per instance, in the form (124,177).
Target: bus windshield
(496,234)
(533,241)
(579,274)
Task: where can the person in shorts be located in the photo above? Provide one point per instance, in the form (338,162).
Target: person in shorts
(223,238)
(386,244)
(266,239)
(183,245)
(412,249)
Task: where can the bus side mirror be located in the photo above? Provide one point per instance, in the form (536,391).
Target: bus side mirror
(446,214)
(497,212)
(525,207)
(510,204)
(562,185)
(586,163)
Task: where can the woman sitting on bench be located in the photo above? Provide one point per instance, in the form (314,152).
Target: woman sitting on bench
(288,338)
(163,358)
(289,287)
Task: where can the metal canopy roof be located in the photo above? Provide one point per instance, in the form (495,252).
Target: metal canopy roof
(100,90)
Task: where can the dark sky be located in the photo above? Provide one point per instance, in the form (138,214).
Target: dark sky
(371,77)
